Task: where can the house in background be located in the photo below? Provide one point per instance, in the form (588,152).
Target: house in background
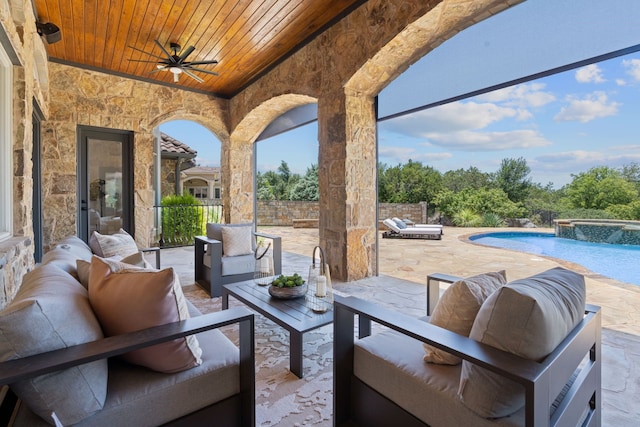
(175,157)
(203,182)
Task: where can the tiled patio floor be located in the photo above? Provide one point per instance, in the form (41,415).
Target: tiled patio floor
(412,260)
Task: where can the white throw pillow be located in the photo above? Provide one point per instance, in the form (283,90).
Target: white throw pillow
(109,245)
(456,310)
(528,317)
(237,240)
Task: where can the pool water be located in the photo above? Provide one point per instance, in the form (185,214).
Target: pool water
(619,262)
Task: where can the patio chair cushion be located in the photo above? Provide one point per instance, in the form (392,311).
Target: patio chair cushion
(391,364)
(400,223)
(84,267)
(52,311)
(108,245)
(528,317)
(457,308)
(237,240)
(126,299)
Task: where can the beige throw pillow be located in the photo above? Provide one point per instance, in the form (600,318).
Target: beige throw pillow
(126,299)
(456,310)
(84,267)
(109,245)
(528,317)
(237,240)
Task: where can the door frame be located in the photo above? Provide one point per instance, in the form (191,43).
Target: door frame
(36,171)
(126,138)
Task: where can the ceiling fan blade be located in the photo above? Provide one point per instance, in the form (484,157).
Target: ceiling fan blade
(166,52)
(193,76)
(186,53)
(142,60)
(164,68)
(200,70)
(146,53)
(213,61)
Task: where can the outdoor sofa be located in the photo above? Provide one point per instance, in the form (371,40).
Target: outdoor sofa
(55,357)
(381,379)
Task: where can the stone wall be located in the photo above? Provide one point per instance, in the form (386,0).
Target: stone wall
(87,98)
(30,80)
(283,212)
(167,177)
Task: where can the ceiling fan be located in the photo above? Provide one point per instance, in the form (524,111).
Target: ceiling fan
(175,63)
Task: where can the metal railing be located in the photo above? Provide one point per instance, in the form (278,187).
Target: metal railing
(178,225)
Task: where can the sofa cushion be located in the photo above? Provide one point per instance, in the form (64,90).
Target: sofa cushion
(141,397)
(84,267)
(528,317)
(108,245)
(391,363)
(457,309)
(65,254)
(127,299)
(51,311)
(237,240)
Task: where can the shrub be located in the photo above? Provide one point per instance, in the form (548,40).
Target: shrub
(583,213)
(467,218)
(492,220)
(182,219)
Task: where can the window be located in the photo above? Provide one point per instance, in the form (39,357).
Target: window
(217,192)
(6,182)
(198,192)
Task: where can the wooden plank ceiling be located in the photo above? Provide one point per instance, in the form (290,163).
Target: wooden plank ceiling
(246,37)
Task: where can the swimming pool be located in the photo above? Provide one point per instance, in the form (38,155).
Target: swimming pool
(619,262)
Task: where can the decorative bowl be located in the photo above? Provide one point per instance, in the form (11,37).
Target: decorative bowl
(288,287)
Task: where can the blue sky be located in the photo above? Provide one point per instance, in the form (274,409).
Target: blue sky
(561,124)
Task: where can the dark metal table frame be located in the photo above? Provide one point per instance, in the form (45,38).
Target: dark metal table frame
(293,315)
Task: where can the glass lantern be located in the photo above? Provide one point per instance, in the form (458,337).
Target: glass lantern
(319,292)
(263,272)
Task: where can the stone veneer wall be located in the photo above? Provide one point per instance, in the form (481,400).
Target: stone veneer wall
(30,80)
(88,98)
(283,212)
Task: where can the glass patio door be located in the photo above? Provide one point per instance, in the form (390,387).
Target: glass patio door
(106,181)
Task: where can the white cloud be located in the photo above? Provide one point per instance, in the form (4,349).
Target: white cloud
(589,74)
(621,82)
(522,96)
(633,68)
(593,106)
(450,118)
(403,154)
(488,141)
(581,161)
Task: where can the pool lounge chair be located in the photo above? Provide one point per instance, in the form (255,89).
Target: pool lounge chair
(405,223)
(423,232)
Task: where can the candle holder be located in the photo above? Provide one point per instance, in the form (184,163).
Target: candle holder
(263,272)
(320,292)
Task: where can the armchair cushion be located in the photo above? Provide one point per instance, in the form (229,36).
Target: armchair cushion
(108,245)
(52,311)
(237,240)
(127,299)
(457,309)
(528,317)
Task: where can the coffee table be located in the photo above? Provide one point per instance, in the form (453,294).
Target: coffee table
(292,314)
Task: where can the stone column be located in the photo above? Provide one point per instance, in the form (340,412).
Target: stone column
(237,180)
(347,180)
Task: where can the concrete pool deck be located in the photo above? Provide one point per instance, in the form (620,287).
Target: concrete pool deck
(405,263)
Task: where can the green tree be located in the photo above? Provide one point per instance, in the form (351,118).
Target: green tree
(599,188)
(408,183)
(513,178)
(462,179)
(307,187)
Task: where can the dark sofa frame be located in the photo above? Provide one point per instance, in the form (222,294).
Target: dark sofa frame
(355,403)
(211,279)
(235,411)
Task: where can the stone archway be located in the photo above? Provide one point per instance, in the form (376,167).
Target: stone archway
(237,178)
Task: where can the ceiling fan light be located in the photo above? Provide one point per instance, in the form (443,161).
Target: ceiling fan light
(175,70)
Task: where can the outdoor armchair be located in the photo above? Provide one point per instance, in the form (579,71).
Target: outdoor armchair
(219,262)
